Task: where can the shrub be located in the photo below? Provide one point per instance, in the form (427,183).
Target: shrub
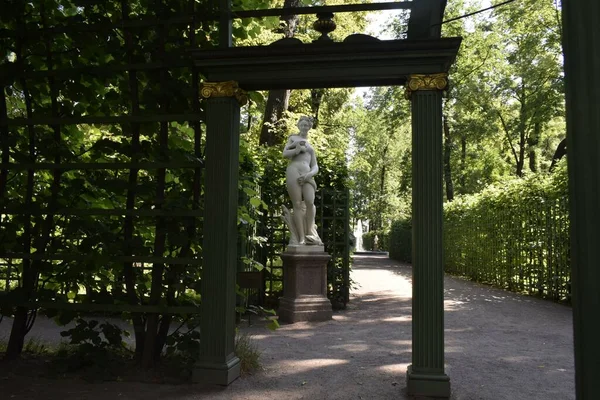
(367,240)
(400,240)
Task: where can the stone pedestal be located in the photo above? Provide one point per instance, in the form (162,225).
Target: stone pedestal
(304,285)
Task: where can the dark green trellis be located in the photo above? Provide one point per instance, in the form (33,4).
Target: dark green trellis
(139,51)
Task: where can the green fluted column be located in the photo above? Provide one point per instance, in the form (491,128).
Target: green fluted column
(217,363)
(582,77)
(426,376)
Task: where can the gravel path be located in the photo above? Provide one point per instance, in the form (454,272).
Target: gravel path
(499,346)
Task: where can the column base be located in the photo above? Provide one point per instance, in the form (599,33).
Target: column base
(428,385)
(216,373)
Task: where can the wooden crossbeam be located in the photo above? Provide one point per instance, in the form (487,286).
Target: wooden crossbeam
(276,12)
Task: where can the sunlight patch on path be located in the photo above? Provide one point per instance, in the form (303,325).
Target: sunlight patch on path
(380,280)
(395,369)
(298,366)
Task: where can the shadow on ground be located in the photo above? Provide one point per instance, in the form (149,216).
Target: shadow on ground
(498,346)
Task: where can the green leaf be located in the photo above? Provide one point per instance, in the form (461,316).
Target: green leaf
(258,266)
(249,191)
(255,201)
(273,325)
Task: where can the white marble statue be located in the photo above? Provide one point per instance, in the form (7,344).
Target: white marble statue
(301,186)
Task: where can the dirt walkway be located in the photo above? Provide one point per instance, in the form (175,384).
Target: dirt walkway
(498,346)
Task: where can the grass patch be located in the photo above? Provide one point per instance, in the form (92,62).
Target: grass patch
(33,346)
(248,353)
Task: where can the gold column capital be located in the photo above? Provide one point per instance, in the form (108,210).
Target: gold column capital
(224,89)
(417,82)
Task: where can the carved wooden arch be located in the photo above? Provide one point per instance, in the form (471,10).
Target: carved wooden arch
(358,61)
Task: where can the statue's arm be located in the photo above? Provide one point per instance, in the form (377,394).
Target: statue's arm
(289,152)
(314,166)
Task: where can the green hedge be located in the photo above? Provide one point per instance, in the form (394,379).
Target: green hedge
(369,240)
(400,240)
(514,236)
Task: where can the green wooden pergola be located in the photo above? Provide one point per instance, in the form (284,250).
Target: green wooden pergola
(420,62)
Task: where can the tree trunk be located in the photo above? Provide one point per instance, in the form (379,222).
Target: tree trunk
(522,133)
(522,149)
(139,323)
(447,166)
(48,224)
(521,161)
(19,327)
(278,100)
(23,321)
(316,97)
(378,222)
(533,160)
(156,288)
(532,142)
(463,162)
(4,143)
(272,129)
(561,151)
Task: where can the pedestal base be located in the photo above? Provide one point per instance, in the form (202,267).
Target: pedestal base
(215,373)
(305,308)
(427,385)
(305,285)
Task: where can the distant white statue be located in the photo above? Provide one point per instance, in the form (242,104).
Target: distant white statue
(301,186)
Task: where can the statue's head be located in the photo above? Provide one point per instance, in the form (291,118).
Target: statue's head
(305,123)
